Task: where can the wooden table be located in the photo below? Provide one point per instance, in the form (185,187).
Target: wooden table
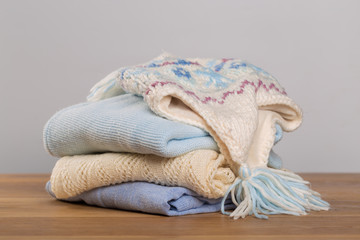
(27,212)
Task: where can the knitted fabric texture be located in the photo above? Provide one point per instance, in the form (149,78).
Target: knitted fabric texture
(149,198)
(203,171)
(239,104)
(121,124)
(222,96)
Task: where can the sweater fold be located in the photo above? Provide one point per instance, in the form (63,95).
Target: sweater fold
(205,172)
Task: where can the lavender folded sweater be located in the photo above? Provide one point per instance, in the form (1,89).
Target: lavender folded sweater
(149,198)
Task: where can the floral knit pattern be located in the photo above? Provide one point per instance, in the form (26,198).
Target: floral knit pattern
(206,75)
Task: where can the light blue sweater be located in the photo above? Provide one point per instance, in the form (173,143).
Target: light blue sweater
(120,124)
(149,198)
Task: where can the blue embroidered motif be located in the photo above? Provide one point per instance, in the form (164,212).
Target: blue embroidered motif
(214,78)
(180,72)
(183,62)
(219,66)
(153,65)
(237,65)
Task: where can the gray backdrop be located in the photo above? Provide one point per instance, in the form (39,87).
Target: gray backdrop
(52,52)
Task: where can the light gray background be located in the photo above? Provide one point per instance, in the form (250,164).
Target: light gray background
(52,52)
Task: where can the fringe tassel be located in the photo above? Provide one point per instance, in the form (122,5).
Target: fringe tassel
(271,191)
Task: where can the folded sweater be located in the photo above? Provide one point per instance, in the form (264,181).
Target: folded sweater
(120,124)
(149,198)
(204,171)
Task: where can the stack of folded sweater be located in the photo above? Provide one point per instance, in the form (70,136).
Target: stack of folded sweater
(176,136)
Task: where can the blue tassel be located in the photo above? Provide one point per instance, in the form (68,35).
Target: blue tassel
(270,191)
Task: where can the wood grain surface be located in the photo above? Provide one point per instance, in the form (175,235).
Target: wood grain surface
(27,212)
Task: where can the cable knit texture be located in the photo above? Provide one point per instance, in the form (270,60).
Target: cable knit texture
(203,171)
(222,96)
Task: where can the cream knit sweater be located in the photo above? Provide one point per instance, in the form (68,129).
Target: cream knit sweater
(222,96)
(203,171)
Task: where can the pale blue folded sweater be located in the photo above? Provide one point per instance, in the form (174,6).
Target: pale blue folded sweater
(149,198)
(120,124)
